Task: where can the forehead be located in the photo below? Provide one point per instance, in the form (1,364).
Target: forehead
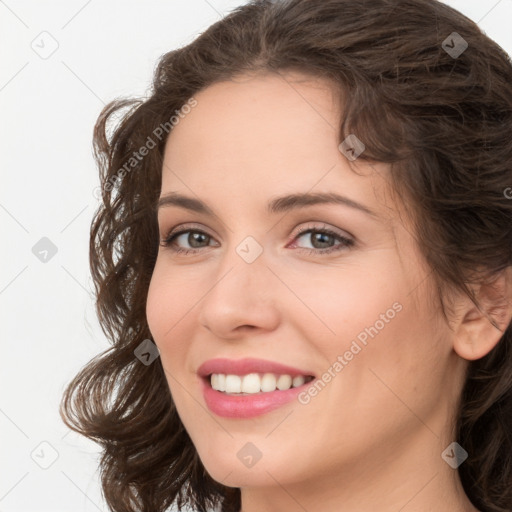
(252,117)
(258,135)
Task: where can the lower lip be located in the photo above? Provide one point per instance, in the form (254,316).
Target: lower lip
(247,406)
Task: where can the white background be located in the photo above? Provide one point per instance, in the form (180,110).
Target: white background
(48,107)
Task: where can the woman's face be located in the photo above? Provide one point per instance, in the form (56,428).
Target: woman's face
(352,307)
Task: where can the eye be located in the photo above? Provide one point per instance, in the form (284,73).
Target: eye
(194,237)
(321,239)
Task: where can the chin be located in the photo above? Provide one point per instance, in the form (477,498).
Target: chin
(232,476)
(228,467)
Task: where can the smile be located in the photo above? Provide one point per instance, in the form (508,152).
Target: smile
(253,383)
(249,387)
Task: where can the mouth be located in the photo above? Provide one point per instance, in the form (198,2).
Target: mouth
(248,388)
(245,388)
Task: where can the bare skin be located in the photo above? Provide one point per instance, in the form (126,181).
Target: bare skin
(372,438)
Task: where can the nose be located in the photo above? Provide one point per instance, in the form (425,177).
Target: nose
(242,298)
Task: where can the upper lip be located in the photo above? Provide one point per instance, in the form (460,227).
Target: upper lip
(248,365)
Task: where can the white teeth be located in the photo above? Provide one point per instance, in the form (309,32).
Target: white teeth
(221,382)
(251,383)
(298,381)
(233,384)
(255,383)
(284,382)
(268,382)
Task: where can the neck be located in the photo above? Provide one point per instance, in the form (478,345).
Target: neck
(402,476)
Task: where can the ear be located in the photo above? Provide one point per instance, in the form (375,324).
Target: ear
(478,330)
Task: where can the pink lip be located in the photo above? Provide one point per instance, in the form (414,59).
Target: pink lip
(246,406)
(245,366)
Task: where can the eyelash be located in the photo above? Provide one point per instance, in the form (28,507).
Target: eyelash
(167,242)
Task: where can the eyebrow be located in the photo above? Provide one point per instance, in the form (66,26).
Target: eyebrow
(276,205)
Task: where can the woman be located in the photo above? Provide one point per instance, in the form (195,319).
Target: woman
(303,261)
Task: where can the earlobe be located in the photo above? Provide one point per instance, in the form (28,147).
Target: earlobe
(479,330)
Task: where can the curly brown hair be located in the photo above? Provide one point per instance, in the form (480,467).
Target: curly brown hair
(444,126)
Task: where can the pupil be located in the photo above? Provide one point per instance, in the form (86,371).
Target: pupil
(193,238)
(318,238)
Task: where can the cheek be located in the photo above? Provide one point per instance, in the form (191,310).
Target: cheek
(166,308)
(342,304)
(170,296)
(169,317)
(388,369)
(369,318)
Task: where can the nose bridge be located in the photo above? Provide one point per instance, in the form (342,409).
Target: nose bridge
(243,271)
(241,292)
